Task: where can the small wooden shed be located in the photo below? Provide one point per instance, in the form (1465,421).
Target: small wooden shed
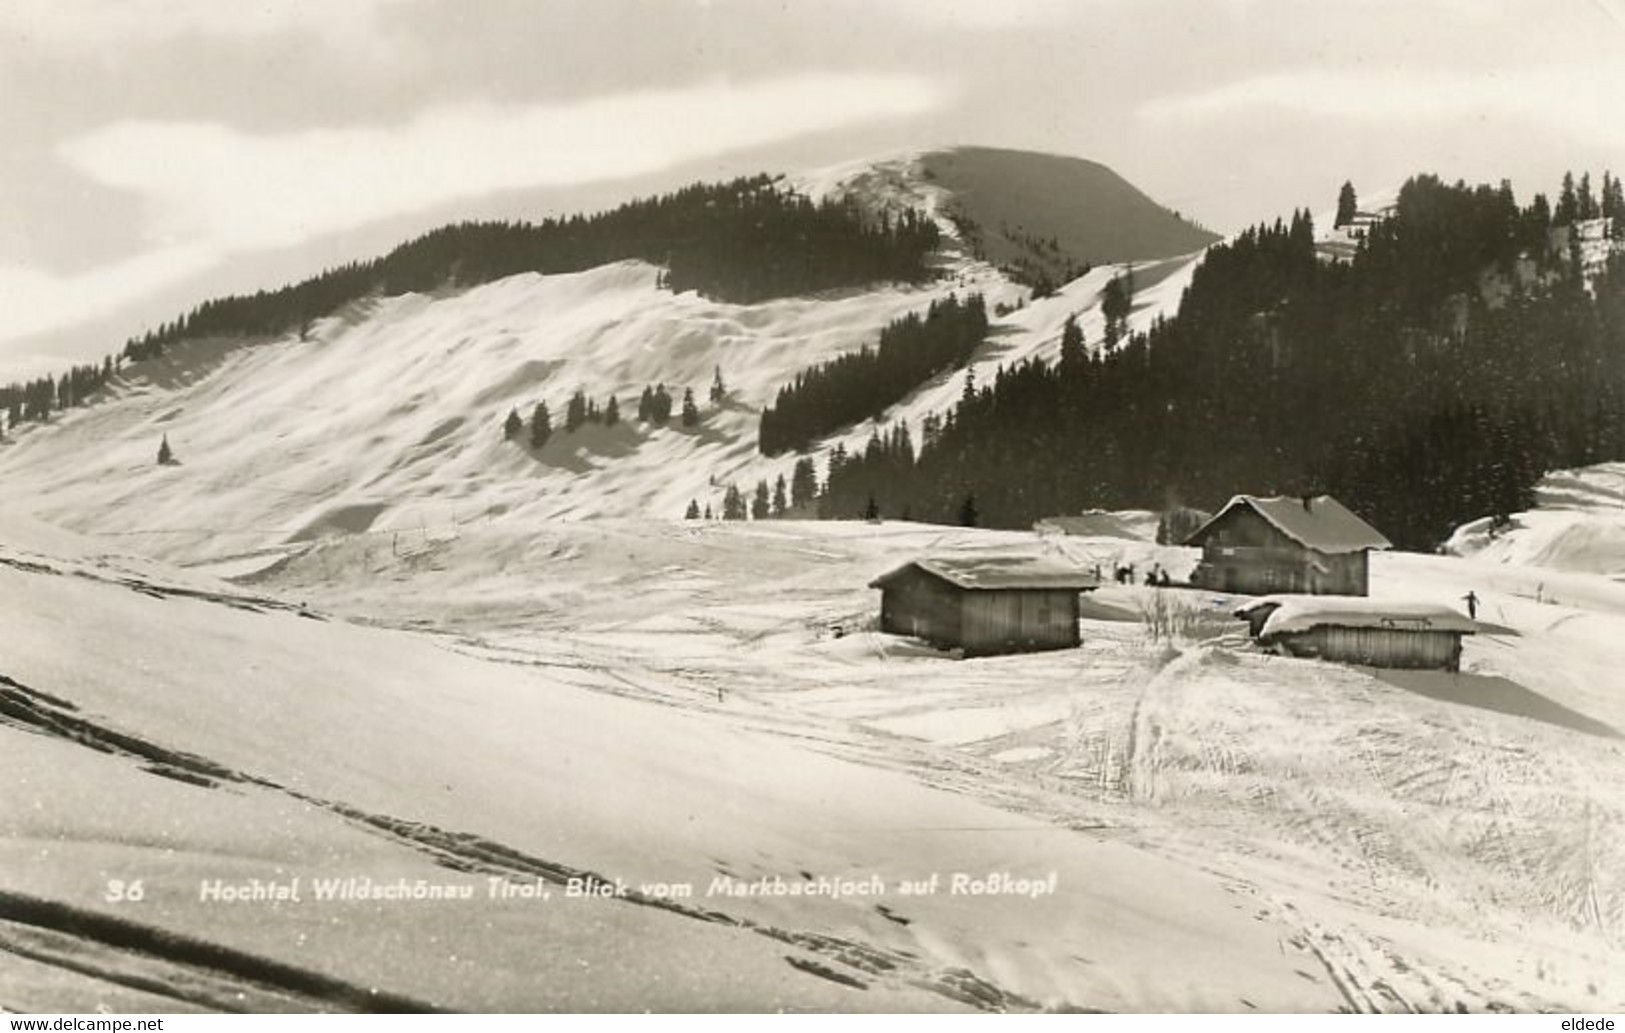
(984,605)
(1357,630)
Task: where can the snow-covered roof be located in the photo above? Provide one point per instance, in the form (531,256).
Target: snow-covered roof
(1138,524)
(1319,522)
(1294,613)
(994,572)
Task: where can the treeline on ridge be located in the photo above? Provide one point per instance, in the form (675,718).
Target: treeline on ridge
(742,241)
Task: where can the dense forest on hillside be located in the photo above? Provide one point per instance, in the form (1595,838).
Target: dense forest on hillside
(742,241)
(863,384)
(38,398)
(1429,381)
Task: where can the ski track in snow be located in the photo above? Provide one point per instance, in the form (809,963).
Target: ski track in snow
(1356,812)
(1431,843)
(1368,801)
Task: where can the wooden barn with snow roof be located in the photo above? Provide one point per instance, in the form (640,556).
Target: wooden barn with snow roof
(984,605)
(1357,630)
(1311,544)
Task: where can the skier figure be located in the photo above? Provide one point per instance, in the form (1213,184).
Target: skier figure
(1472,605)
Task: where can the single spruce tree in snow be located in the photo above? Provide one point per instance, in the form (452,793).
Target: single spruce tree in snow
(733,504)
(513,426)
(691,412)
(719,390)
(708,515)
(804,483)
(1347,205)
(541,425)
(646,404)
(780,503)
(761,505)
(660,406)
(575,413)
(693,510)
(165,454)
(612,411)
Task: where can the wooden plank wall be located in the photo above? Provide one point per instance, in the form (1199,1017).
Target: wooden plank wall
(1012,621)
(917,604)
(1380,647)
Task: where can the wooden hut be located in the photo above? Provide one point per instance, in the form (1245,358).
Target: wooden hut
(984,605)
(1311,544)
(1357,630)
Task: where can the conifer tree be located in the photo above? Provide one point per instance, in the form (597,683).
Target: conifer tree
(1116,302)
(165,455)
(575,413)
(1585,201)
(1072,350)
(780,503)
(612,411)
(691,412)
(541,425)
(660,406)
(646,405)
(871,510)
(719,390)
(708,515)
(761,504)
(803,483)
(1347,205)
(733,504)
(513,426)
(1568,202)
(693,510)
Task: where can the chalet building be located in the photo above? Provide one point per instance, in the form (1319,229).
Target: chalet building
(984,605)
(1262,545)
(1356,630)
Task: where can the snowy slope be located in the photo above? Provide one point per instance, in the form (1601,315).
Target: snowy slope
(1428,840)
(1579,525)
(389,416)
(161,728)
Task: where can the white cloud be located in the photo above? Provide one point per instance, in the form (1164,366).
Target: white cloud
(237,191)
(1578,99)
(82,25)
(208,191)
(34,300)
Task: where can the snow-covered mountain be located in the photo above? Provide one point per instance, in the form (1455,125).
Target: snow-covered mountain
(388,414)
(352,638)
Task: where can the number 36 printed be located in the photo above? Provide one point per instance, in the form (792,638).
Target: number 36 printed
(118,891)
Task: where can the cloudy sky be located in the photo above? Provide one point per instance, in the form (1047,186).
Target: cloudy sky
(156,152)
